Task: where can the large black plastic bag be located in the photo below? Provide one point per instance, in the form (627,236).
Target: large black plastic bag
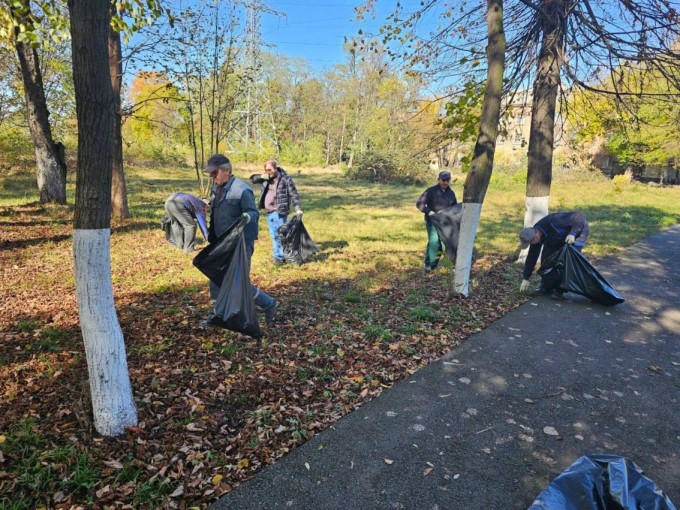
(214,259)
(295,241)
(602,482)
(570,271)
(235,307)
(227,264)
(447,224)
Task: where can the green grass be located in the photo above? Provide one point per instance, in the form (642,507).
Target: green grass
(367,232)
(39,470)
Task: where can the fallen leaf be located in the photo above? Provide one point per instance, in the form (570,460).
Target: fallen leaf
(307,466)
(427,471)
(114,464)
(217,479)
(243,463)
(179,491)
(551,431)
(389,462)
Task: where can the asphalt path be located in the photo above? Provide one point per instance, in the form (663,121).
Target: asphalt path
(490,424)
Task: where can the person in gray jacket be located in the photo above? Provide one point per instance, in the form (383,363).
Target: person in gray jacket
(232,199)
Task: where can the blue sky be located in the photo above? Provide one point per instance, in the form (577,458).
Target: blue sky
(313,31)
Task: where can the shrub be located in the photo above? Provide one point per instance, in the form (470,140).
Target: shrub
(620,182)
(377,167)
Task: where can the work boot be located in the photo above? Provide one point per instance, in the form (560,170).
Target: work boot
(270,313)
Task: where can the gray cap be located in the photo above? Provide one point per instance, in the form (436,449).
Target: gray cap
(215,162)
(445,176)
(525,236)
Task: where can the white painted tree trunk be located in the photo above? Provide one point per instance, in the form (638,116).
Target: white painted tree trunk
(112,403)
(535,208)
(466,243)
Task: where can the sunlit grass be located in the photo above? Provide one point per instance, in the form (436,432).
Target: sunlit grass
(366,231)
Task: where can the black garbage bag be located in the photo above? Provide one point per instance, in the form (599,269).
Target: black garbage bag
(447,224)
(295,241)
(235,307)
(214,259)
(602,482)
(568,270)
(227,264)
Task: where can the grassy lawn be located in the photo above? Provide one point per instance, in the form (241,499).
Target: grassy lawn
(214,406)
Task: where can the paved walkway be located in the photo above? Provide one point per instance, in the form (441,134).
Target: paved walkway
(476,429)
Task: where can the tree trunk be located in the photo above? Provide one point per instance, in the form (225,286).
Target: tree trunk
(541,135)
(119,202)
(50,168)
(478,177)
(112,403)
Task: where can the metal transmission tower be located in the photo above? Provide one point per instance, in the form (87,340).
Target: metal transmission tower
(253,40)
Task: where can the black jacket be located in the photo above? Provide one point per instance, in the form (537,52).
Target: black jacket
(285,192)
(435,199)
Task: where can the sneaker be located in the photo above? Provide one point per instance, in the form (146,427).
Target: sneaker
(428,269)
(270,313)
(278,262)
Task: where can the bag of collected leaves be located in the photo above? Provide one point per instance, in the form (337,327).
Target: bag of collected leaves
(295,241)
(602,482)
(226,263)
(447,224)
(569,271)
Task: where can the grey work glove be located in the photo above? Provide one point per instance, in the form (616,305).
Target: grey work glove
(431,213)
(524,286)
(299,213)
(247,217)
(570,239)
(265,177)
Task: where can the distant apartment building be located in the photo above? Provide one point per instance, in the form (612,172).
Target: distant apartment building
(516,123)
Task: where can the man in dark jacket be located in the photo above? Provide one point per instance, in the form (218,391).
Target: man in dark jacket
(182,209)
(278,190)
(232,199)
(551,233)
(434,199)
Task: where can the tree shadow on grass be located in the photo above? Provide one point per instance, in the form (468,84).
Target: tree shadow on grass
(327,249)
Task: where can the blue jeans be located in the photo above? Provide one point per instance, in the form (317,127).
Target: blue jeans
(274,221)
